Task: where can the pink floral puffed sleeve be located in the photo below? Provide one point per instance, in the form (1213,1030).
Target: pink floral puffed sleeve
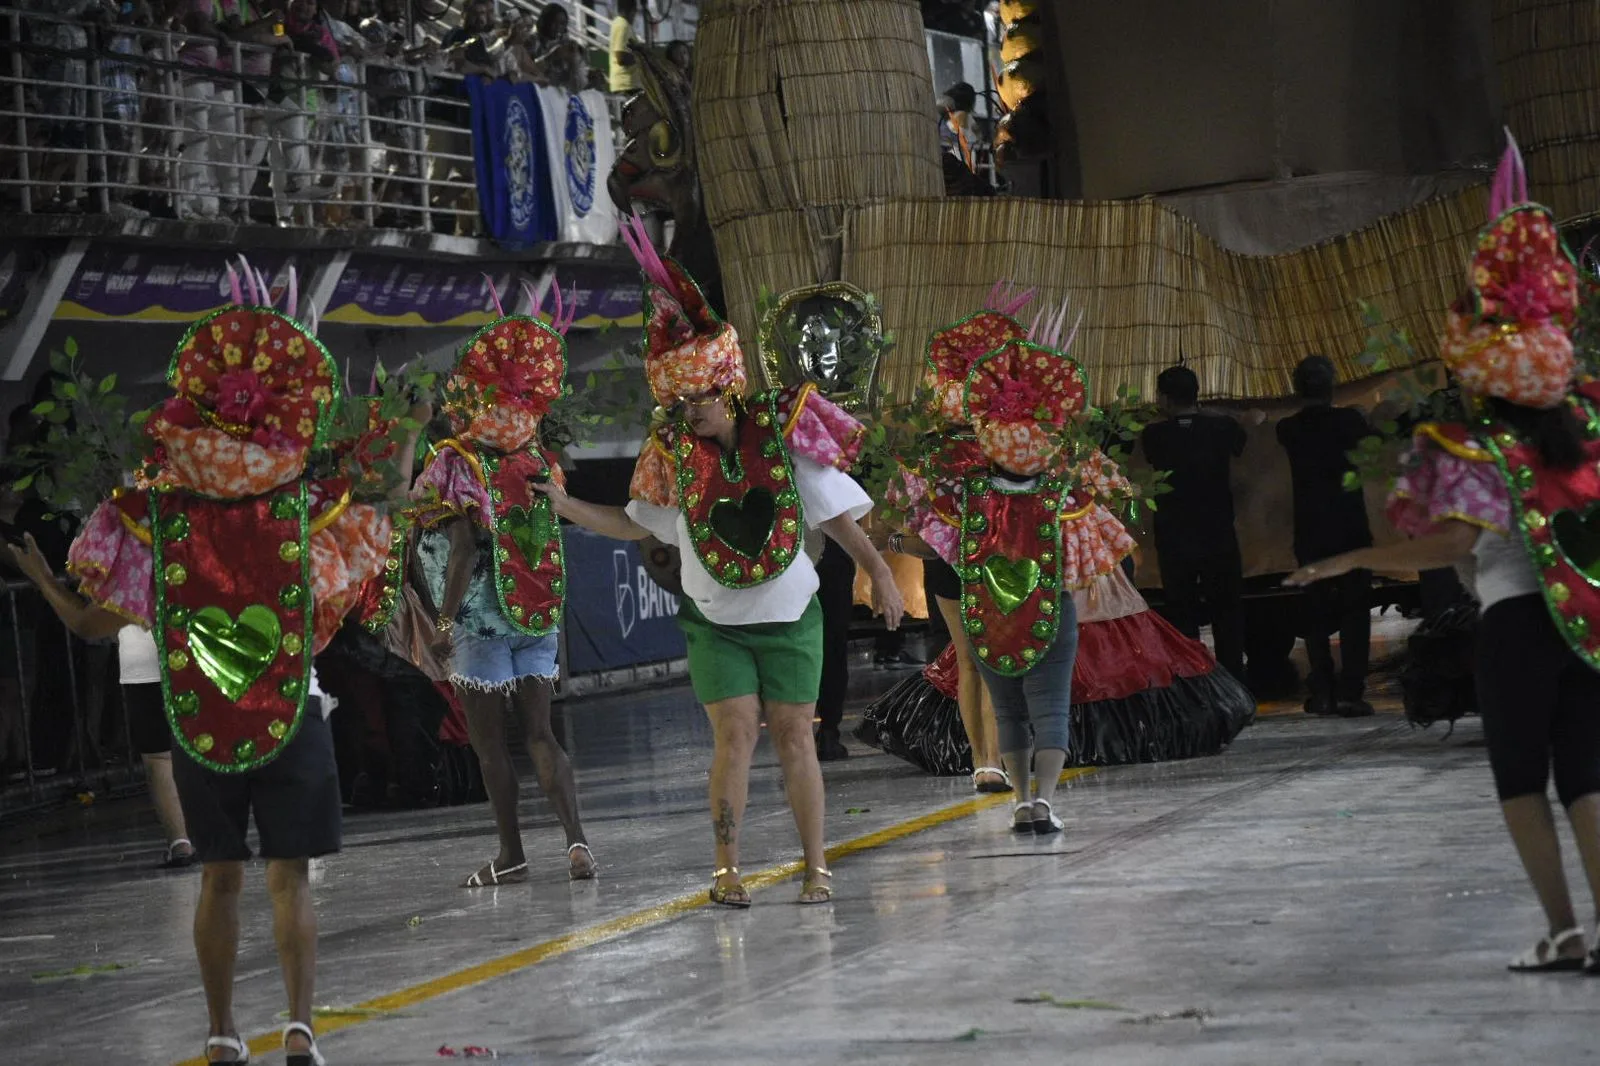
(114,567)
(450,486)
(908,492)
(819,429)
(1437,485)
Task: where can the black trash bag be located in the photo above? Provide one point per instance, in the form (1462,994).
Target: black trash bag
(916,722)
(1437,683)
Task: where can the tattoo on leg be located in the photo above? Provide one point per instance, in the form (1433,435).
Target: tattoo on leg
(724,823)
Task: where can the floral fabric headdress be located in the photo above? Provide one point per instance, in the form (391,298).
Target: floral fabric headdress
(953,350)
(509,373)
(1510,336)
(254,394)
(689,351)
(1018,399)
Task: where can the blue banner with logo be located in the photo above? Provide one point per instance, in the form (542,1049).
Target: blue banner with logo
(616,616)
(513,165)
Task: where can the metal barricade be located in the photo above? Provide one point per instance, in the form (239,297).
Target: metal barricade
(136,123)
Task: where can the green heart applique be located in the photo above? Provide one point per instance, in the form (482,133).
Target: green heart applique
(531,530)
(1010,582)
(745,526)
(234,654)
(1578,537)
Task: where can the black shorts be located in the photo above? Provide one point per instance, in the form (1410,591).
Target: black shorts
(940,579)
(295,800)
(148,730)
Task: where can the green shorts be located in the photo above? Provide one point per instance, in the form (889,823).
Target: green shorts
(778,661)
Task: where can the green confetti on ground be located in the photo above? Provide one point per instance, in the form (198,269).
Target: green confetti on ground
(969,1036)
(79,973)
(857,810)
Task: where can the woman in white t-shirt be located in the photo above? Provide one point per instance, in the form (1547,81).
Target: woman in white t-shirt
(735,483)
(141,692)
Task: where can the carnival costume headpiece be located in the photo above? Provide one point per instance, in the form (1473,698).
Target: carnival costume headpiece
(1019,396)
(953,350)
(689,351)
(509,373)
(1509,337)
(254,394)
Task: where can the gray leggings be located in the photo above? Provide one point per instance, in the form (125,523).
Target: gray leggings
(1038,702)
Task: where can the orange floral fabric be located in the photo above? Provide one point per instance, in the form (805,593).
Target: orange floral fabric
(212,462)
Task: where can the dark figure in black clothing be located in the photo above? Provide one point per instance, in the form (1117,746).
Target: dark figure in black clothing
(1330,519)
(836,583)
(1196,545)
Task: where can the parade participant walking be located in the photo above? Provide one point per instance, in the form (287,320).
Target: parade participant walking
(1513,491)
(243,565)
(734,482)
(492,559)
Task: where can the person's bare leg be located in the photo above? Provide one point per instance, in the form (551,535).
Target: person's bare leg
(294,925)
(216,941)
(790,726)
(164,797)
(1585,817)
(1533,831)
(734,728)
(977,716)
(486,729)
(531,701)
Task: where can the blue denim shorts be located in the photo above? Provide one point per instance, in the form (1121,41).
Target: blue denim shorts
(501,662)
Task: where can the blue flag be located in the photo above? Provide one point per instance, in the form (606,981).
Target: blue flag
(512,162)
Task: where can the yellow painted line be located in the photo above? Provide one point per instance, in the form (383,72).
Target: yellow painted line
(488,970)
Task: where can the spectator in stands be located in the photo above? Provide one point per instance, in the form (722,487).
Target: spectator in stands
(959,138)
(396,109)
(122,107)
(205,115)
(624,79)
(468,49)
(551,56)
(681,55)
(1197,546)
(1329,520)
(61,71)
(257,31)
(338,130)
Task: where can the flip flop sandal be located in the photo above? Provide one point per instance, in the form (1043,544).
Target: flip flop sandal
(1002,785)
(174,861)
(1546,957)
(1022,817)
(496,877)
(240,1049)
(311,1056)
(594,867)
(1049,823)
(811,884)
(724,894)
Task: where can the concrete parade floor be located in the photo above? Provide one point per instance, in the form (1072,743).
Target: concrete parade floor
(1327,891)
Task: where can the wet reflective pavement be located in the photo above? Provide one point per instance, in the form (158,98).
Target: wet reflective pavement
(1325,892)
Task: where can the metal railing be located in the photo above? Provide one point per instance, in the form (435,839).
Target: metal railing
(131,123)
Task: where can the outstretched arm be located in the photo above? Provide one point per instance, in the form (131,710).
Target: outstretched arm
(80,616)
(885,593)
(1450,544)
(610,522)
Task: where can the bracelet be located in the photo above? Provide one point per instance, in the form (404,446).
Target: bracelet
(897,543)
(444,625)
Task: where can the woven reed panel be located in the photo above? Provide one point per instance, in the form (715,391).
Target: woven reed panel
(773,250)
(811,103)
(1548,53)
(1152,286)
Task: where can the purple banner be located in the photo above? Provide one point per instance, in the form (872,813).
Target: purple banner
(159,285)
(605,294)
(408,292)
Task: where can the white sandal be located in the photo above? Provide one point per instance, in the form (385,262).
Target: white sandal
(1049,823)
(989,786)
(309,1057)
(496,876)
(1022,824)
(1546,957)
(240,1049)
(594,867)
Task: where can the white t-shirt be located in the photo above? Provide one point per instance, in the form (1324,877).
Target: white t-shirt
(139,663)
(824,493)
(1503,569)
